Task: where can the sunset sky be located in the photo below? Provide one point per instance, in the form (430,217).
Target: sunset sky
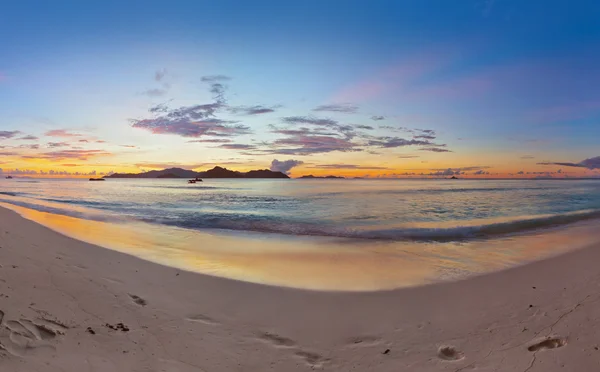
(492,88)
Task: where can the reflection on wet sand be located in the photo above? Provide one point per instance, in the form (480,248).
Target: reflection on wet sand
(315,263)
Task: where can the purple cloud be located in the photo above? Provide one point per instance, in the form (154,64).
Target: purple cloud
(191,121)
(28,138)
(591,163)
(251,110)
(309,120)
(6,134)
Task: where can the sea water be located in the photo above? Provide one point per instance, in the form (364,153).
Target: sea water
(388,233)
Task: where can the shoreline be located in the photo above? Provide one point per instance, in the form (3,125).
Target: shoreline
(184,321)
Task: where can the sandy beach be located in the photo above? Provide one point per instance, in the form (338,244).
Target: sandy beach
(71,306)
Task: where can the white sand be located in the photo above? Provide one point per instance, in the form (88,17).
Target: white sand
(55,287)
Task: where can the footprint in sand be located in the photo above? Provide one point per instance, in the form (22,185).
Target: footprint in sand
(199,318)
(549,343)
(364,341)
(314,360)
(24,337)
(276,340)
(138,300)
(449,353)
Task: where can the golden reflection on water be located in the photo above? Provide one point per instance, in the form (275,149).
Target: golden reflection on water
(314,263)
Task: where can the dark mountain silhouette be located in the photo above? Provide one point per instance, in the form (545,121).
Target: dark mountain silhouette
(310,176)
(216,172)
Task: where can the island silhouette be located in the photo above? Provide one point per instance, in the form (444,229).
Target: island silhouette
(216,172)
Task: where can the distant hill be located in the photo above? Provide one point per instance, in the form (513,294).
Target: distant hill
(310,176)
(216,172)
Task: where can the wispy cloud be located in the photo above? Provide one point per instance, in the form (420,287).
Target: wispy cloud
(389,142)
(58,144)
(347,108)
(366,127)
(237,146)
(160,74)
(251,110)
(435,149)
(190,121)
(155,92)
(211,140)
(28,138)
(68,154)
(377,117)
(346,166)
(61,133)
(309,120)
(6,134)
(591,163)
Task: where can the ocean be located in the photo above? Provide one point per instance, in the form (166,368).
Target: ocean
(444,225)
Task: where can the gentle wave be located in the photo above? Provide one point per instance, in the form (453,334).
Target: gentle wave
(270,224)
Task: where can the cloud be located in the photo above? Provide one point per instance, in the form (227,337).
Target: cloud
(217,88)
(251,110)
(51,172)
(236,146)
(211,140)
(61,133)
(160,74)
(520,172)
(215,78)
(527,157)
(31,147)
(390,142)
(481,172)
(129,146)
(311,144)
(408,156)
(377,117)
(426,136)
(58,144)
(284,166)
(591,163)
(367,127)
(191,121)
(346,166)
(347,108)
(6,134)
(156,92)
(309,120)
(28,138)
(446,172)
(435,149)
(168,165)
(69,154)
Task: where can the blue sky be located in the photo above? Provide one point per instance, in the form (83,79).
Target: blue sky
(506,86)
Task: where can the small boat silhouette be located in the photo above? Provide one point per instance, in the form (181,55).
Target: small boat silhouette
(195,180)
(97,179)
(9,177)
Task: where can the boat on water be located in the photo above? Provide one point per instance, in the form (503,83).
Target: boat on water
(9,177)
(195,180)
(97,179)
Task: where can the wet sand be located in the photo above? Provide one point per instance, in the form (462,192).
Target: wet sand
(71,306)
